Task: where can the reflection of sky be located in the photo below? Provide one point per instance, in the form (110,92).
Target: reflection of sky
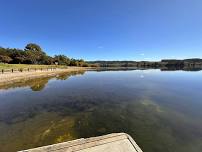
(12,90)
(152,83)
(152,97)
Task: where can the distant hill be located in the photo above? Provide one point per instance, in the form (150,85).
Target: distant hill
(195,62)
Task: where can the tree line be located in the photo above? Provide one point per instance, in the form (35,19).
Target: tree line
(194,62)
(33,54)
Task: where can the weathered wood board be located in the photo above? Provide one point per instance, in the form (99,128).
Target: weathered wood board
(116,142)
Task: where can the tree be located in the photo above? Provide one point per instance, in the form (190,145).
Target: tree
(62,60)
(73,62)
(81,62)
(5,59)
(18,56)
(33,47)
(47,60)
(34,53)
(4,51)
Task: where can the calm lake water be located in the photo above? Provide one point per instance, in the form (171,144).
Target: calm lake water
(161,110)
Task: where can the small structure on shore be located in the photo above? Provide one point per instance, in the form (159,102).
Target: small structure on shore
(116,142)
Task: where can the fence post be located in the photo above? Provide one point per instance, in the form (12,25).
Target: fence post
(2,71)
(12,70)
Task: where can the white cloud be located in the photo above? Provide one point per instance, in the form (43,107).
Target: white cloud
(142,54)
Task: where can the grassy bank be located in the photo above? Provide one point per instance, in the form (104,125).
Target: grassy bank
(25,66)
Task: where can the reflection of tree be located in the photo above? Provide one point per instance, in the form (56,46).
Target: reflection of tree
(39,84)
(78,72)
(65,76)
(174,68)
(36,84)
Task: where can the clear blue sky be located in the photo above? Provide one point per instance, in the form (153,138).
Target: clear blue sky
(105,29)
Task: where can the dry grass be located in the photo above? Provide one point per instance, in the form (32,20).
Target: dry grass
(26,66)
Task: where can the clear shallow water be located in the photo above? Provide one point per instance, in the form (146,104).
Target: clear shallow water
(162,111)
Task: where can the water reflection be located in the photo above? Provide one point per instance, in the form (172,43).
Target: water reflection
(161,110)
(174,68)
(39,84)
(169,68)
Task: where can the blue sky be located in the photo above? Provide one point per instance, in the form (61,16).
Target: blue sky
(105,29)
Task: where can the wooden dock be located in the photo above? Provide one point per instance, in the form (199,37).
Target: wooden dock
(116,142)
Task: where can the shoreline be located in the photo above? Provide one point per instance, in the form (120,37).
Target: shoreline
(9,78)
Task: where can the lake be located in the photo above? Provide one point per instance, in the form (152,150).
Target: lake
(161,110)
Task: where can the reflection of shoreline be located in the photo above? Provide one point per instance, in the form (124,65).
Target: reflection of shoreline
(38,81)
(170,68)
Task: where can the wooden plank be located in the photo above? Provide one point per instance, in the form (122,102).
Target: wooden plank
(116,142)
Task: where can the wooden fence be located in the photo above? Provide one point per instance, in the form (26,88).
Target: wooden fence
(28,70)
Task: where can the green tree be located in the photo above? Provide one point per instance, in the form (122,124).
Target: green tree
(4,51)
(5,59)
(34,53)
(33,47)
(62,60)
(18,56)
(73,62)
